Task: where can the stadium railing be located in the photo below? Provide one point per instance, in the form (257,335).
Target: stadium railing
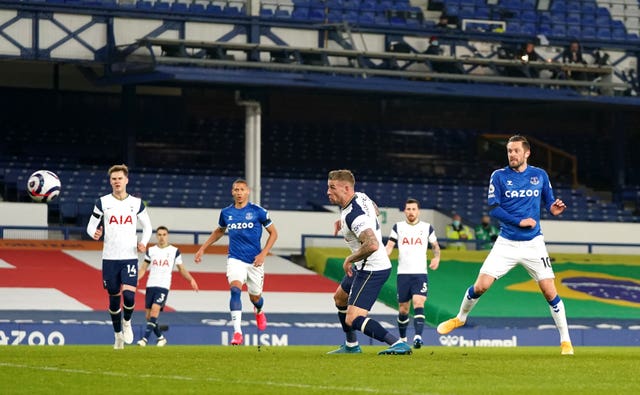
(163,51)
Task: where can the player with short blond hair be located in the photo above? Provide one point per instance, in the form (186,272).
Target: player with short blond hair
(366,269)
(117,216)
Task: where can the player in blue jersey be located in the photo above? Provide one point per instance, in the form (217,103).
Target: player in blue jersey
(368,267)
(119,214)
(245,264)
(516,194)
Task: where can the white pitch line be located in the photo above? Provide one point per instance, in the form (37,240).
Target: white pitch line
(211,379)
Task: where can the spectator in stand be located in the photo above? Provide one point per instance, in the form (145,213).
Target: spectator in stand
(528,54)
(457,231)
(486,233)
(441,66)
(573,55)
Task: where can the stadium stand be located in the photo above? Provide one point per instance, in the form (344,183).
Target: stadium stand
(434,172)
(605,20)
(291,184)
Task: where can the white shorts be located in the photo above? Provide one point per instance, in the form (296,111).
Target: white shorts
(246,273)
(506,254)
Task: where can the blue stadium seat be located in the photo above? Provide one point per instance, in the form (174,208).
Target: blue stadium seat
(574,31)
(528,29)
(573,18)
(482,13)
(161,6)
(529,16)
(197,8)
(558,30)
(300,13)
(282,14)
(366,18)
(213,9)
(618,34)
(603,34)
(266,12)
(368,5)
(179,7)
(588,32)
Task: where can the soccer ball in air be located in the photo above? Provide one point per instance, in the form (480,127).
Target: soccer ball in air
(43,186)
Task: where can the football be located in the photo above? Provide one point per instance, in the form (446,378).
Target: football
(43,186)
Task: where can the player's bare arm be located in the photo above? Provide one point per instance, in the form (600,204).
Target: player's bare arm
(557,207)
(389,246)
(98,233)
(368,245)
(215,236)
(273,236)
(142,271)
(435,261)
(187,276)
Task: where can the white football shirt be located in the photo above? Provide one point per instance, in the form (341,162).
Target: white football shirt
(358,215)
(161,264)
(412,242)
(120,220)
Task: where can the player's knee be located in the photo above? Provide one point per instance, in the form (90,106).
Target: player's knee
(129,298)
(340,297)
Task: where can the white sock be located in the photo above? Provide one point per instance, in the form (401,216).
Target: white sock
(466,306)
(560,318)
(236,319)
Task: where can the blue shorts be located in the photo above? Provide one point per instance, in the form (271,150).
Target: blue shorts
(412,284)
(366,287)
(116,272)
(155,295)
(346,282)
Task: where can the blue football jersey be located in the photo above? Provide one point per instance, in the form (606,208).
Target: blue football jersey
(521,196)
(244,227)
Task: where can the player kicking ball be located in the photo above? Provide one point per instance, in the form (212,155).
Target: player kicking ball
(515,196)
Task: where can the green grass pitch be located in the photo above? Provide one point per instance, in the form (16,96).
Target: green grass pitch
(308,370)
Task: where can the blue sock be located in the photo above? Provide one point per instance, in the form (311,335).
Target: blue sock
(235,303)
(156,329)
(115,312)
(403,323)
(372,328)
(258,304)
(129,302)
(418,320)
(471,294)
(554,302)
(349,332)
(151,326)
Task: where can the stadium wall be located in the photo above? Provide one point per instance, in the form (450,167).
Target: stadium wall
(292,225)
(291,330)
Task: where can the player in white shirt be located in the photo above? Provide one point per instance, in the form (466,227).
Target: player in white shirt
(412,237)
(160,260)
(117,216)
(366,269)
